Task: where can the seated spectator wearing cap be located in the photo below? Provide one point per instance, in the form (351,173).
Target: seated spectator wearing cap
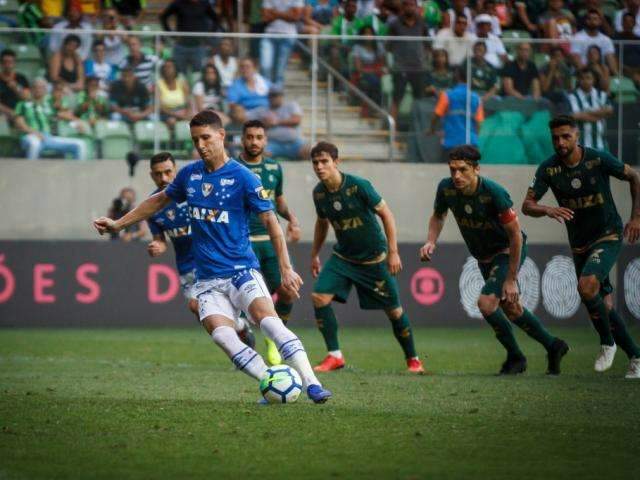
(496,54)
(520,77)
(13,85)
(73,21)
(282,120)
(93,102)
(66,65)
(591,35)
(173,91)
(455,40)
(34,119)
(556,80)
(591,107)
(630,52)
(250,90)
(484,78)
(98,67)
(129,98)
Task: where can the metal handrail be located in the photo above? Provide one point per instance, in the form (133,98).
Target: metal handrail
(359,93)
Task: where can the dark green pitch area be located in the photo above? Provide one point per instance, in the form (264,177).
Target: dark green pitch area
(162,404)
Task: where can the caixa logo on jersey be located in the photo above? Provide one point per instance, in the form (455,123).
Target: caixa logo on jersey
(209,215)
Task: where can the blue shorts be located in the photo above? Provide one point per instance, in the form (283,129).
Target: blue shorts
(286,149)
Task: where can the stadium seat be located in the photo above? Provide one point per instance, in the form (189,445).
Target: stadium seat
(513,34)
(115,139)
(9,141)
(73,130)
(623,90)
(146,132)
(535,137)
(182,138)
(148,41)
(9,7)
(540,59)
(29,61)
(499,139)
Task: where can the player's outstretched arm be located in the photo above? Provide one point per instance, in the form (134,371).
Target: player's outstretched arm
(320,232)
(290,279)
(389,223)
(532,208)
(143,211)
(511,224)
(632,228)
(293,228)
(436,224)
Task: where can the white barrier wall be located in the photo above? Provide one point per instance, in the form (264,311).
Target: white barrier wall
(58,199)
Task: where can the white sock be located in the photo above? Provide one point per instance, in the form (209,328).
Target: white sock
(335,353)
(290,347)
(243,357)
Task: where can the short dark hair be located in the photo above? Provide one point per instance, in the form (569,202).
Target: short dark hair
(252,124)
(468,153)
(97,43)
(7,52)
(562,121)
(480,43)
(161,157)
(206,118)
(325,147)
(586,70)
(593,11)
(71,38)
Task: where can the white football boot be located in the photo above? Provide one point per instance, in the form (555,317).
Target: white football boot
(634,368)
(604,360)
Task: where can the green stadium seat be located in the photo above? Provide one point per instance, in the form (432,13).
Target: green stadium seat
(85,133)
(29,62)
(499,139)
(535,137)
(540,59)
(115,139)
(9,7)
(146,132)
(623,90)
(9,140)
(514,34)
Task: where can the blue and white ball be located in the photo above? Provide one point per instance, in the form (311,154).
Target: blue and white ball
(281,384)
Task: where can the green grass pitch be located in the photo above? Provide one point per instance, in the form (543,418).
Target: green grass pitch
(159,404)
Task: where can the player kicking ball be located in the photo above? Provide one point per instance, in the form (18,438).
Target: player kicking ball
(220,195)
(173,221)
(360,257)
(491,230)
(254,140)
(579,179)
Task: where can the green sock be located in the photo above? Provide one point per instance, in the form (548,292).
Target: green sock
(328,325)
(284,311)
(404,335)
(534,328)
(504,333)
(600,319)
(621,335)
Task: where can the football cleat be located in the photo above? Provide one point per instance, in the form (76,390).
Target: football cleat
(414,365)
(634,368)
(604,360)
(318,394)
(273,356)
(329,363)
(513,366)
(558,349)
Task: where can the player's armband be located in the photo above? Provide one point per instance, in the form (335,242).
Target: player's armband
(507,216)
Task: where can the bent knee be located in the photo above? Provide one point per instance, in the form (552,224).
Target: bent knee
(193,306)
(321,299)
(512,310)
(488,304)
(394,313)
(284,295)
(588,287)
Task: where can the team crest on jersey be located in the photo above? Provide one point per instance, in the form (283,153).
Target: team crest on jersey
(576,183)
(468,209)
(171,214)
(337,206)
(207,188)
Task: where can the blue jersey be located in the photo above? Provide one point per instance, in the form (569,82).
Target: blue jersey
(173,220)
(219,205)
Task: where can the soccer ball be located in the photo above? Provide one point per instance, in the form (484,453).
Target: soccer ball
(281,384)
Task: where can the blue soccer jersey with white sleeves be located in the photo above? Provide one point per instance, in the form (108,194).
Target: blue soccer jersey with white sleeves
(219,205)
(173,221)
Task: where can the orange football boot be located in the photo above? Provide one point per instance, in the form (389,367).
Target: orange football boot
(329,363)
(414,365)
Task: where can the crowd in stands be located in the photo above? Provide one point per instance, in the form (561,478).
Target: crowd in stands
(89,69)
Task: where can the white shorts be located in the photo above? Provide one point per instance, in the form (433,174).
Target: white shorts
(187,283)
(230,296)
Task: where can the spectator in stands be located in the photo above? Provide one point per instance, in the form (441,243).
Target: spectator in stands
(143,65)
(520,76)
(344,25)
(53,10)
(408,57)
(89,8)
(120,206)
(34,118)
(281,17)
(557,22)
(208,92)
(451,109)
(496,53)
(93,102)
(600,71)
(460,8)
(66,66)
(98,67)
(366,8)
(128,10)
(226,63)
(489,8)
(527,13)
(379,20)
(129,98)
(317,14)
(484,78)
(607,21)
(556,80)
(73,21)
(455,40)
(30,16)
(591,108)
(369,66)
(282,120)
(60,103)
(13,85)
(591,35)
(440,77)
(632,7)
(173,90)
(630,52)
(190,16)
(247,92)
(115,44)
